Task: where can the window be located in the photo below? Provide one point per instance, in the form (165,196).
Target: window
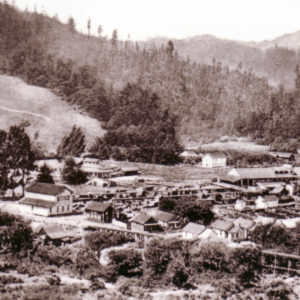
(63,198)
(62,209)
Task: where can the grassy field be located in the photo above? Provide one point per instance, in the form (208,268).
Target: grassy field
(178,173)
(49,117)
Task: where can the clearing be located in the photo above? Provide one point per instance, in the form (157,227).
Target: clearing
(48,117)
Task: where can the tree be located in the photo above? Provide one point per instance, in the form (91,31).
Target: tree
(4,167)
(45,175)
(170,48)
(71,24)
(72,144)
(99,31)
(126,262)
(114,38)
(20,155)
(89,27)
(71,173)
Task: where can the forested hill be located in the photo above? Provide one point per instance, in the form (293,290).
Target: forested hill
(186,99)
(275,59)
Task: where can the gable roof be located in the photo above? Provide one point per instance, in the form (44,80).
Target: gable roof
(194,228)
(255,173)
(98,206)
(222,225)
(165,217)
(270,198)
(46,188)
(244,223)
(55,232)
(215,154)
(37,202)
(143,218)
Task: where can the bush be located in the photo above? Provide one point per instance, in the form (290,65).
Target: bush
(97,284)
(279,290)
(53,280)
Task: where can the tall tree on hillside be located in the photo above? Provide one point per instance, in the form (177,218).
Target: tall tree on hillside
(89,27)
(20,155)
(170,48)
(45,175)
(71,172)
(114,38)
(4,167)
(297,80)
(99,31)
(71,24)
(72,144)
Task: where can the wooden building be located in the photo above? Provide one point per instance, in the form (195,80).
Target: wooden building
(100,212)
(47,199)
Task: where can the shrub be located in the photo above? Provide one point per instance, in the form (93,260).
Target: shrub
(53,280)
(279,290)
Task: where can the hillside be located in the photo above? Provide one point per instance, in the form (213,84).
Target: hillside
(275,59)
(48,117)
(152,95)
(289,40)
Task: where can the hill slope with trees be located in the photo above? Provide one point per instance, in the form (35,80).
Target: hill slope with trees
(203,100)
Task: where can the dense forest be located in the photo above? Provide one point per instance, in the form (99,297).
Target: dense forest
(270,58)
(149,98)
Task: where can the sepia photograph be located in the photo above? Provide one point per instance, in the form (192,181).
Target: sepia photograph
(150,149)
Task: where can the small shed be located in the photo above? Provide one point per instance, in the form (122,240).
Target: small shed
(192,230)
(144,222)
(167,220)
(100,212)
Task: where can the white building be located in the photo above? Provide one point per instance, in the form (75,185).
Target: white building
(47,199)
(213,160)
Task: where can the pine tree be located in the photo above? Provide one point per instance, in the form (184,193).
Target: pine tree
(72,144)
(45,175)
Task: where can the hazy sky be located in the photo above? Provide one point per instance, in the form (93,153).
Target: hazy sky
(247,20)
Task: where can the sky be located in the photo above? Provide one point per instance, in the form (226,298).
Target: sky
(244,20)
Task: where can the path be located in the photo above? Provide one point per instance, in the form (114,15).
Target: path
(27,112)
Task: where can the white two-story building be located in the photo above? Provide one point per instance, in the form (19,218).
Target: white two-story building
(47,199)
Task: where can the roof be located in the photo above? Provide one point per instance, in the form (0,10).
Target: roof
(287,155)
(130,169)
(189,153)
(235,228)
(215,154)
(55,232)
(165,217)
(255,173)
(38,202)
(194,228)
(143,218)
(244,223)
(91,160)
(46,188)
(222,225)
(270,198)
(277,189)
(98,206)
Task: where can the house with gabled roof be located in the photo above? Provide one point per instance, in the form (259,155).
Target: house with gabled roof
(100,212)
(214,159)
(55,234)
(47,199)
(222,227)
(246,224)
(167,220)
(192,230)
(266,201)
(144,222)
